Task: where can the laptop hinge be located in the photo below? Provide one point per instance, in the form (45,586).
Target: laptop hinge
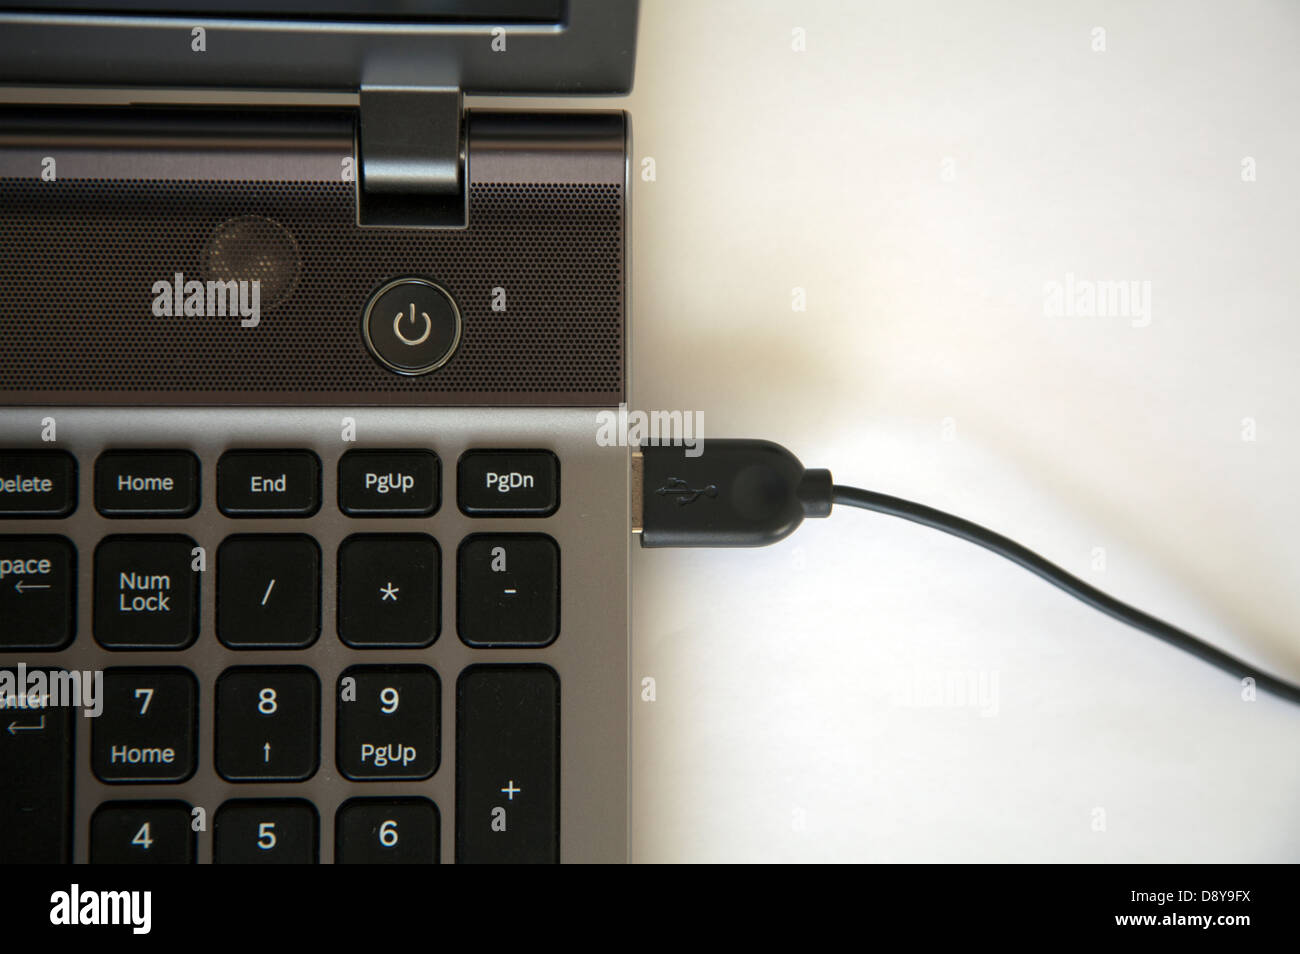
(411,153)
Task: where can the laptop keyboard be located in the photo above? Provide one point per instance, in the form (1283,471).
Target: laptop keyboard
(371,708)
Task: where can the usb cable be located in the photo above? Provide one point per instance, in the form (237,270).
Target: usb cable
(748,493)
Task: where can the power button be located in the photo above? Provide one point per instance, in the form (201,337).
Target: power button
(411,325)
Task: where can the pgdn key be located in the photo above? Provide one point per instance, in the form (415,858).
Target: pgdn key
(504,483)
(522,483)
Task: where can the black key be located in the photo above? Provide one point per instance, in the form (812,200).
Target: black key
(388,722)
(147,484)
(274,831)
(522,483)
(268,591)
(393,831)
(142,833)
(268,484)
(508,765)
(146,593)
(38,592)
(148,731)
(36,767)
(389,483)
(268,724)
(388,590)
(37,483)
(508,590)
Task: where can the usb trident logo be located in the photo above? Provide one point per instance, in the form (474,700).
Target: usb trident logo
(684,492)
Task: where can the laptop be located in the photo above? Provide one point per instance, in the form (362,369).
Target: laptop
(308,549)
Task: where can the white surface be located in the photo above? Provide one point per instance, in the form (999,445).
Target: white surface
(781,728)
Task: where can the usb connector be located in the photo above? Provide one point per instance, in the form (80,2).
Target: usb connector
(635,488)
(737,493)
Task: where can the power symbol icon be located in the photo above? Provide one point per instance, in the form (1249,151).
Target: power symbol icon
(411,326)
(428,327)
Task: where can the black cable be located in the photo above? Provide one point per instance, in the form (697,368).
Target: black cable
(1026,558)
(749,493)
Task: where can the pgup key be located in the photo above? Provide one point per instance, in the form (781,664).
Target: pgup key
(389,483)
(390,753)
(388,722)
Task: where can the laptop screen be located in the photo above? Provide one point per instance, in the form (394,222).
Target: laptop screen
(411,11)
